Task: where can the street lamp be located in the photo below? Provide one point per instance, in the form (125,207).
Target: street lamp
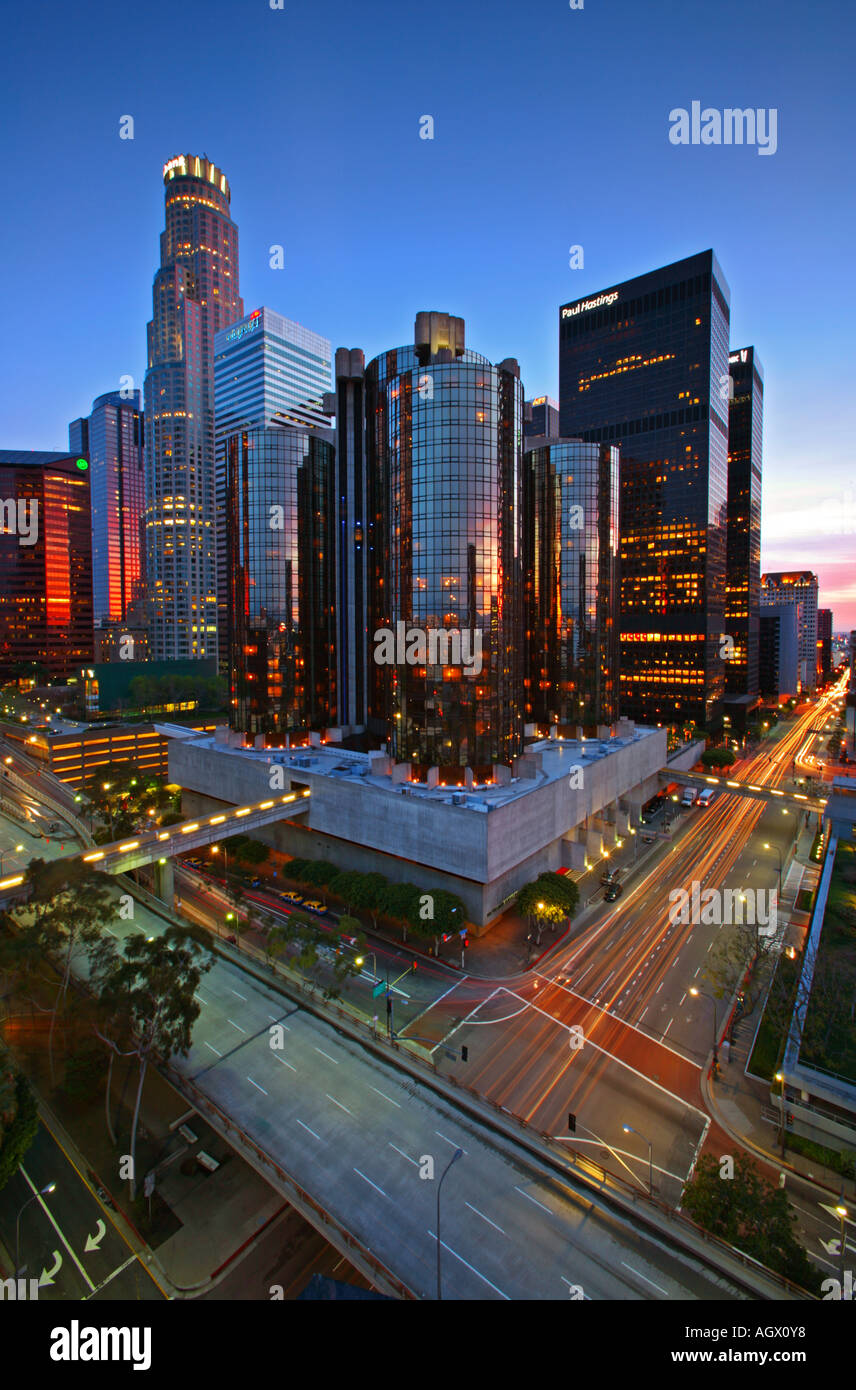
(17,850)
(628,1129)
(700,994)
(780,1076)
(455,1156)
(51,1187)
(779,853)
(842,1212)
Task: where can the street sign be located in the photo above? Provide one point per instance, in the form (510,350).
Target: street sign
(378,990)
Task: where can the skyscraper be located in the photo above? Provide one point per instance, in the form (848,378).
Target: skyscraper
(797,587)
(571,546)
(644,365)
(541,417)
(443,444)
(743,553)
(195,294)
(268,370)
(112,438)
(824,645)
(45,563)
(352,530)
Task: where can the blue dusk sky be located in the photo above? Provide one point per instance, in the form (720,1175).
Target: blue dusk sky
(551,129)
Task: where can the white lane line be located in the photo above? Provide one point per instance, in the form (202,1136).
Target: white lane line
(403,1154)
(386,1097)
(327,1055)
(485,1218)
(49,1214)
(472,1267)
(530,1198)
(639,1275)
(451,1141)
(239,996)
(607,980)
(110,1277)
(236,1025)
(198,996)
(283,1061)
(273,1019)
(370,1183)
(643,1013)
(683,997)
(213,1049)
(308,1130)
(257,1086)
(339,1103)
(668,1025)
(574,1286)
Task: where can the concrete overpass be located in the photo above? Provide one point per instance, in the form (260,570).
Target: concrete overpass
(800,801)
(158,847)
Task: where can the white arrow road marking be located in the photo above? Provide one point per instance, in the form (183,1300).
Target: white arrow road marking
(47,1275)
(49,1214)
(93,1242)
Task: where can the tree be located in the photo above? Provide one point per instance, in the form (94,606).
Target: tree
(367,893)
(72,904)
(344,885)
(19,1119)
(148,991)
(550,898)
(750,1213)
(718,757)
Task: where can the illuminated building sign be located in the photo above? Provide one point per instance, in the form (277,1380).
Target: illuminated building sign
(539,400)
(740,356)
(243,328)
(583,305)
(179,163)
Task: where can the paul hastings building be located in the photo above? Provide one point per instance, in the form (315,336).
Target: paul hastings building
(444,463)
(644,366)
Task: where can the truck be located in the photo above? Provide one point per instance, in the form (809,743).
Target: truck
(690,796)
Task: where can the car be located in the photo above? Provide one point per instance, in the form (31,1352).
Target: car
(613,891)
(648,839)
(313,905)
(255,883)
(610,876)
(53,828)
(294,898)
(706,796)
(690,796)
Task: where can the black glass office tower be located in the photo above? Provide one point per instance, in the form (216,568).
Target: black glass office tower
(444,463)
(743,552)
(280,555)
(571,528)
(642,366)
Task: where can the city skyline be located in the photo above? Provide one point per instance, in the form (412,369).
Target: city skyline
(346,281)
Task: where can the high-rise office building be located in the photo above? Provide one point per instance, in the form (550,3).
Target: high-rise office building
(541,418)
(443,444)
(778,649)
(352,529)
(797,587)
(280,563)
(824,645)
(45,563)
(112,438)
(195,294)
(743,553)
(268,370)
(644,365)
(571,548)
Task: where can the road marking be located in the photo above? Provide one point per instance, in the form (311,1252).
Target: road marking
(327,1055)
(659,987)
(283,1061)
(574,1286)
(213,1049)
(257,1086)
(386,1097)
(472,1267)
(643,1013)
(403,1154)
(240,996)
(110,1277)
(530,1198)
(643,1276)
(273,1019)
(339,1103)
(450,1141)
(49,1214)
(485,1218)
(370,1183)
(236,1025)
(308,1130)
(683,997)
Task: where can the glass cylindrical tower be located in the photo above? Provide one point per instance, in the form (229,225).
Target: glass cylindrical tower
(443,447)
(572,585)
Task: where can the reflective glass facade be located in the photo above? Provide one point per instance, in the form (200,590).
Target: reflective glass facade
(571,510)
(797,587)
(281,567)
(195,294)
(45,562)
(444,463)
(644,365)
(268,370)
(112,438)
(743,563)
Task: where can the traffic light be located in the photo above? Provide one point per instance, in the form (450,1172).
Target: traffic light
(415,963)
(465,1052)
(572,1123)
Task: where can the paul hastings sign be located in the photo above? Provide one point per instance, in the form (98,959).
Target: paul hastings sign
(600,301)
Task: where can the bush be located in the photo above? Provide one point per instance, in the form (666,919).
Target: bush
(20,1132)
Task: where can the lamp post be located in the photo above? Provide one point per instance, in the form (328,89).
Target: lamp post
(775,849)
(17,850)
(455,1156)
(780,1076)
(628,1129)
(51,1187)
(700,994)
(842,1212)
